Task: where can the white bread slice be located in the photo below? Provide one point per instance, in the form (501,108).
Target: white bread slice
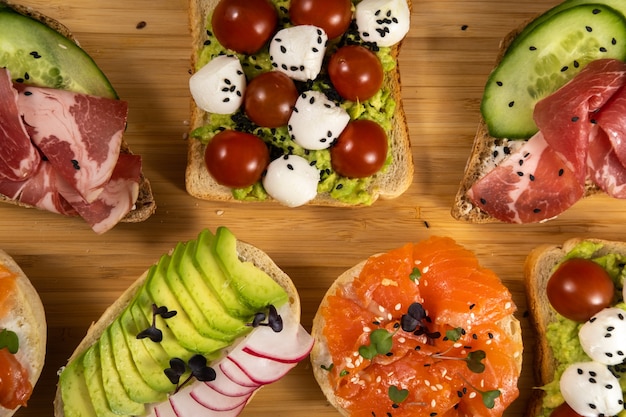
(145,205)
(246,251)
(481,159)
(27,319)
(320,355)
(387,185)
(538,268)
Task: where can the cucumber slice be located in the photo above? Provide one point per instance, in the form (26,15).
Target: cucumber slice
(547,58)
(38,55)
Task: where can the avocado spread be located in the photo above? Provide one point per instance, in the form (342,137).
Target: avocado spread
(562,334)
(380,108)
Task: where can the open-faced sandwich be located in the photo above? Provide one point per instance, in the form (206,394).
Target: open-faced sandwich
(576,301)
(422,330)
(23,334)
(298,102)
(552,117)
(62,146)
(197,335)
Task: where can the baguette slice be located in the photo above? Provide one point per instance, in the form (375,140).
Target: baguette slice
(538,268)
(388,185)
(27,319)
(321,357)
(481,159)
(145,205)
(246,251)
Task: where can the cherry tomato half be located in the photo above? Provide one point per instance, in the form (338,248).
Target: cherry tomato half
(334,16)
(580,288)
(244,25)
(270,98)
(360,150)
(564,410)
(355,72)
(236,159)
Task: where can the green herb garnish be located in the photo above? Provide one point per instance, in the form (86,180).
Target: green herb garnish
(381,342)
(415,275)
(9,340)
(397,395)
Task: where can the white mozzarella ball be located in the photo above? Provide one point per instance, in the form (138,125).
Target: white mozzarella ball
(316,121)
(603,337)
(298,51)
(219,86)
(291,180)
(385,22)
(591,389)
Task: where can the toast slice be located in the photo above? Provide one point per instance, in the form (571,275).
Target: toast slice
(389,184)
(145,205)
(538,267)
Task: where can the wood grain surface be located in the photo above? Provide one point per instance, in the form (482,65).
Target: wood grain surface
(445,61)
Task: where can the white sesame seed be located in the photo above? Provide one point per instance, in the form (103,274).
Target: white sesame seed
(440,387)
(350,365)
(366,329)
(458,345)
(425,269)
(381,309)
(433,403)
(488,342)
(401,339)
(427,383)
(398,307)
(433,388)
(378,379)
(507,305)
(389,316)
(472,395)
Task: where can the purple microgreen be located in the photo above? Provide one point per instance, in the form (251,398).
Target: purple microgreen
(9,340)
(162,311)
(176,370)
(198,369)
(274,320)
(152,332)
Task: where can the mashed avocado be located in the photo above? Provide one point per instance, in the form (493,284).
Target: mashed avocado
(379,108)
(562,334)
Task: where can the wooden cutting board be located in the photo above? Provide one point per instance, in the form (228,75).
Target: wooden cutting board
(143,46)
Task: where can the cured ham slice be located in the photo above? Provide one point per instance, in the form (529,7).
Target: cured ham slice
(564,117)
(18,157)
(533,184)
(605,168)
(79,134)
(612,120)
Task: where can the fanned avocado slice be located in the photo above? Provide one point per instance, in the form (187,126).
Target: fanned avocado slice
(36,54)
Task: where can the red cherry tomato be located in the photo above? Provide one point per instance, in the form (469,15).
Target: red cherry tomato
(564,410)
(334,16)
(244,25)
(270,98)
(580,288)
(355,72)
(236,159)
(360,150)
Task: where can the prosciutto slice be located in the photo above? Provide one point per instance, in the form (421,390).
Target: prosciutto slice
(612,120)
(79,134)
(531,185)
(605,168)
(564,117)
(18,157)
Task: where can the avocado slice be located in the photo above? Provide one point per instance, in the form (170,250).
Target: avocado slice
(132,381)
(74,392)
(95,386)
(150,370)
(197,286)
(118,399)
(254,286)
(218,281)
(181,325)
(38,55)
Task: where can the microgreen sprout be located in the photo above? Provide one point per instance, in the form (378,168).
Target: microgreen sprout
(9,340)
(274,320)
(152,332)
(488,397)
(381,341)
(397,395)
(327,367)
(197,366)
(473,359)
(415,275)
(416,320)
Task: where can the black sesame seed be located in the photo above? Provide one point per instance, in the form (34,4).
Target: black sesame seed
(464,27)
(602,49)
(588,28)
(561,172)
(533,48)
(537,210)
(596,11)
(565,68)
(575,119)
(75,164)
(531,177)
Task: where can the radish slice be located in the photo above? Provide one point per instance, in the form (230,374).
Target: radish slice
(162,409)
(226,386)
(260,370)
(232,371)
(184,404)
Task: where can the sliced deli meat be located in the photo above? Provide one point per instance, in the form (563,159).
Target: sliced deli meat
(18,157)
(80,134)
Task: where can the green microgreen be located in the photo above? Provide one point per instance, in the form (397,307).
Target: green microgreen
(415,275)
(488,397)
(397,395)
(381,341)
(198,369)
(9,340)
(454,334)
(473,360)
(344,373)
(327,367)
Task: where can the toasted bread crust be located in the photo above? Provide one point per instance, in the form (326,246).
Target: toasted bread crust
(145,205)
(28,319)
(246,252)
(387,185)
(320,355)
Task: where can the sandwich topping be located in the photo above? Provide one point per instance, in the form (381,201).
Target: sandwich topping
(588,337)
(415,334)
(335,55)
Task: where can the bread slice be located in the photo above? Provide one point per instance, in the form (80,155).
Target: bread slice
(321,357)
(27,319)
(538,268)
(389,184)
(246,252)
(482,160)
(145,205)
